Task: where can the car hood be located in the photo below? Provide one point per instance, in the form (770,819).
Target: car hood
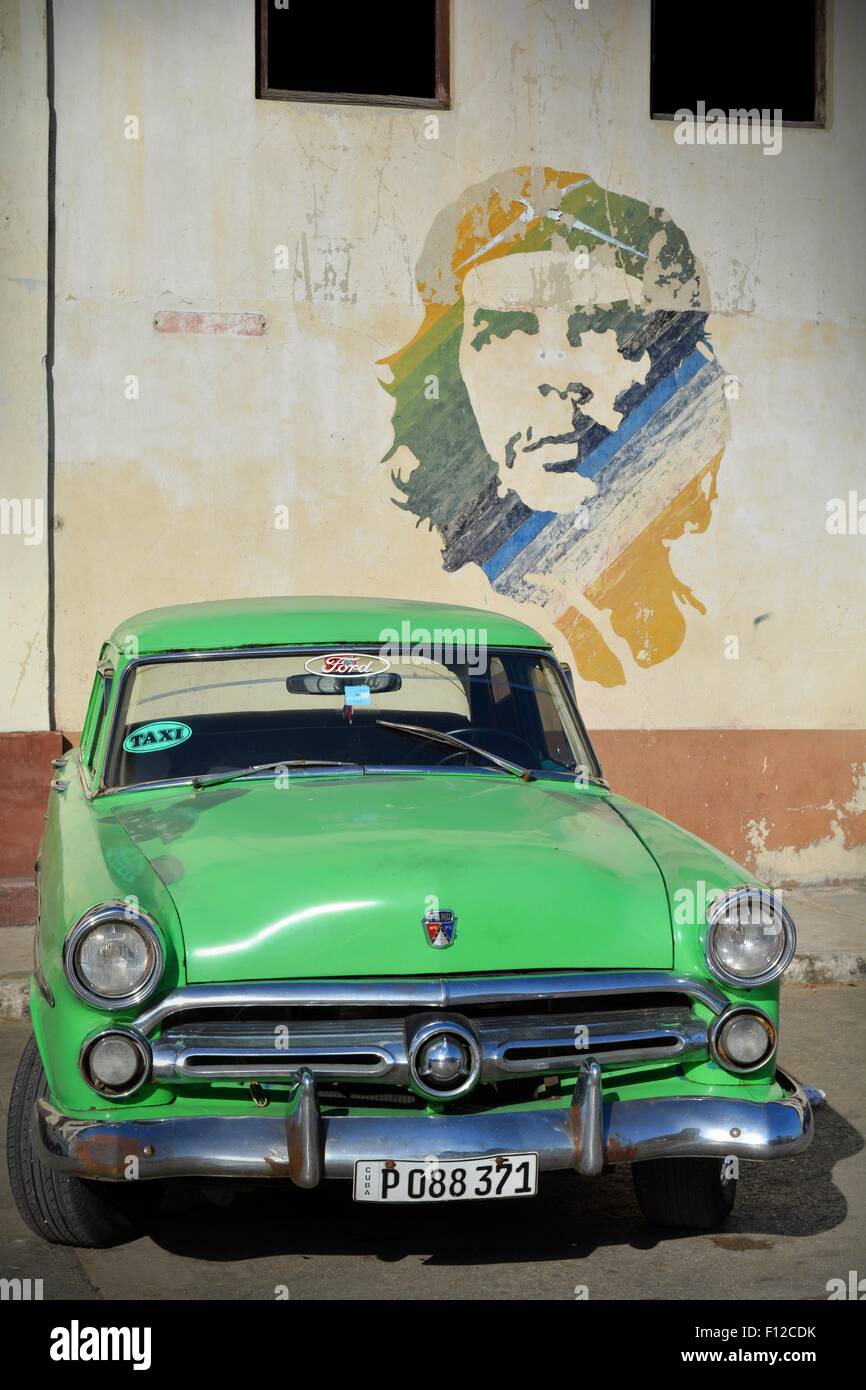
(331,876)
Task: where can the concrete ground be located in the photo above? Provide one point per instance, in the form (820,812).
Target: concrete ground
(831,933)
(796,1224)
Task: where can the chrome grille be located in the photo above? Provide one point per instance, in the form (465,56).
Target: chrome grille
(526,1026)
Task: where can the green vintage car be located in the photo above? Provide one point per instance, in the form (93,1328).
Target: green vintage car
(335,888)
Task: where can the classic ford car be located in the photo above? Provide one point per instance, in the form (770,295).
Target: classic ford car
(335,888)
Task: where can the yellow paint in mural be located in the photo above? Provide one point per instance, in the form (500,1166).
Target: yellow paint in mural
(641,591)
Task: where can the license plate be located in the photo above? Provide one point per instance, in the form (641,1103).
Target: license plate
(451,1180)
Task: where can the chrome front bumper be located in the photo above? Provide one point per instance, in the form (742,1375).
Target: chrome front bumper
(304,1146)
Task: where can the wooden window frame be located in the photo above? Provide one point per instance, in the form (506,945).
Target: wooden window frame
(821,55)
(441,101)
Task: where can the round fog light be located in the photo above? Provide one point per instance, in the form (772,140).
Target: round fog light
(115,1064)
(744,1040)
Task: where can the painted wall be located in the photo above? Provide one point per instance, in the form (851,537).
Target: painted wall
(23,234)
(198,464)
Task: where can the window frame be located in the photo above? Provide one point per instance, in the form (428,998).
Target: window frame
(441,102)
(96,720)
(93,703)
(820,121)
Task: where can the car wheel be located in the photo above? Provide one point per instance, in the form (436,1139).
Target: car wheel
(62,1209)
(691,1194)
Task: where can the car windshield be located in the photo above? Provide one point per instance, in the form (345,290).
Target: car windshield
(189,718)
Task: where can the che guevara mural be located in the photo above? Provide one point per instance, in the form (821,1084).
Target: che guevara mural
(564,407)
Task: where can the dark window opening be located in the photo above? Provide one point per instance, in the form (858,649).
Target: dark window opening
(770,56)
(391,53)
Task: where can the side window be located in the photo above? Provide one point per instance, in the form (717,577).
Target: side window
(95,721)
(93,705)
(550,713)
(561,734)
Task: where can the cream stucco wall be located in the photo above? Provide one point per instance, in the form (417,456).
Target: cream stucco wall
(23,234)
(170,497)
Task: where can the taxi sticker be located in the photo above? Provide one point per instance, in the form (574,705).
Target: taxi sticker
(151,738)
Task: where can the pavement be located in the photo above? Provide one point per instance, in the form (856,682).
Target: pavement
(831,933)
(831,944)
(797,1223)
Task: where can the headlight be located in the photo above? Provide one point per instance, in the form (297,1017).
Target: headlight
(115,1063)
(113,956)
(742,1039)
(750,937)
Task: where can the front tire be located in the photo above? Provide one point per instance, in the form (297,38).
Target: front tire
(687,1194)
(62,1209)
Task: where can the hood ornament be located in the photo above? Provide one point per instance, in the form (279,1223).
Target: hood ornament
(440,927)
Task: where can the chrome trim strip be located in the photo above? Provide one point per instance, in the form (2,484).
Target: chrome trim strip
(303,1145)
(88,792)
(427,992)
(260,1064)
(349,770)
(376,1048)
(666,1031)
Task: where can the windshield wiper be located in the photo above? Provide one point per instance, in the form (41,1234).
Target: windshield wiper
(421,732)
(212,779)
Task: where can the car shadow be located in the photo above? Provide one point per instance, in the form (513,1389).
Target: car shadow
(570,1219)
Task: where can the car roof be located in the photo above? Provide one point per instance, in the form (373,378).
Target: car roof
(281,622)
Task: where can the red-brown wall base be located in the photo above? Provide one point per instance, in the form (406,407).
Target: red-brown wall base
(750,792)
(25,771)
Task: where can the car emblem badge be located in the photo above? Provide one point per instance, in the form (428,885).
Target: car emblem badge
(440,927)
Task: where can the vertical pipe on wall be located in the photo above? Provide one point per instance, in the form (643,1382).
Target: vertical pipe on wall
(49,346)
